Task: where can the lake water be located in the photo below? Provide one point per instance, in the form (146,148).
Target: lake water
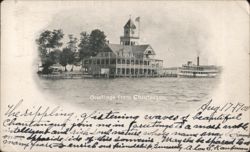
(131,93)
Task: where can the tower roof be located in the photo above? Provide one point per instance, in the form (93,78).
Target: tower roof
(130,24)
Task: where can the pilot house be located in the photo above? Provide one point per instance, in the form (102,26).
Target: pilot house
(127,59)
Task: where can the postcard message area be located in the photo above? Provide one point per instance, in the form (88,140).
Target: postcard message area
(111,76)
(210,128)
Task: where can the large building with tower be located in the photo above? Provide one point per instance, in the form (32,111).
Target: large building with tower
(127,59)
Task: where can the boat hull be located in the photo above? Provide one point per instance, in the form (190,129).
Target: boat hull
(197,76)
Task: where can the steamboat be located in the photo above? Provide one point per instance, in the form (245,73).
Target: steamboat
(191,70)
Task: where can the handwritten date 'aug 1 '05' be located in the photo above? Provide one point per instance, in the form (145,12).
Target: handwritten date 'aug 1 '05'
(209,128)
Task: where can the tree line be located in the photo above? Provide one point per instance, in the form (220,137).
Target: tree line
(53,51)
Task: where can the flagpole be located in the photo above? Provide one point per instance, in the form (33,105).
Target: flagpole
(139,28)
(138,20)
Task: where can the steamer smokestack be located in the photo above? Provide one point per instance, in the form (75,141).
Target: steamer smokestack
(198,61)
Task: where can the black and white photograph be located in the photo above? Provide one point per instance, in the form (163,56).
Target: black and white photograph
(125,76)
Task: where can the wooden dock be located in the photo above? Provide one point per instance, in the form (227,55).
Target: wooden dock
(88,76)
(66,76)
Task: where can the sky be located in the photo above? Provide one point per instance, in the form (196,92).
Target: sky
(177,31)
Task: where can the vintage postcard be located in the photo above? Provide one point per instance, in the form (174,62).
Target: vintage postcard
(124,76)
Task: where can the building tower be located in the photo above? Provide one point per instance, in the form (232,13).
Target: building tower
(131,36)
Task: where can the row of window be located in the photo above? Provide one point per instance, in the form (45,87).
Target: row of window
(128,43)
(105,54)
(197,72)
(199,68)
(129,54)
(128,71)
(132,71)
(119,61)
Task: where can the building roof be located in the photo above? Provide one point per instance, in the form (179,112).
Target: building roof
(130,24)
(135,49)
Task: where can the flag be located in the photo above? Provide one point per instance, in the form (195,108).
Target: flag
(137,19)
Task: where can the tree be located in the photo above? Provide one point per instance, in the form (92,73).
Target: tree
(66,57)
(97,42)
(72,46)
(57,35)
(83,46)
(51,58)
(48,42)
(55,55)
(91,44)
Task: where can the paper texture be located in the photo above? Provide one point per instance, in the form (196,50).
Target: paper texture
(173,76)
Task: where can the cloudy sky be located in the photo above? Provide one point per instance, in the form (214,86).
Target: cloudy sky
(177,31)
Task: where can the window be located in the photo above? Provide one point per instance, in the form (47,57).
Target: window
(112,70)
(127,71)
(119,61)
(112,61)
(126,42)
